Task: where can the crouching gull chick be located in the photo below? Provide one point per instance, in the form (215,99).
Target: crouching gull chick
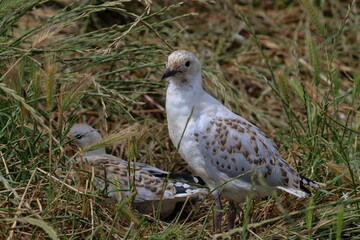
(152,184)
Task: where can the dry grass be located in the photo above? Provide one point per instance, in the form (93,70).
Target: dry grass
(289,67)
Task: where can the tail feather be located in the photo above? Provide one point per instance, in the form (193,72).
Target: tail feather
(185,189)
(296,192)
(185,185)
(303,191)
(187,178)
(180,177)
(306,181)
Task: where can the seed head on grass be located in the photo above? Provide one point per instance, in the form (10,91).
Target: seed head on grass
(282,82)
(314,58)
(49,81)
(74,91)
(314,16)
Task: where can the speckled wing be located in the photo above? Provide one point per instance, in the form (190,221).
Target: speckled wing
(233,146)
(112,174)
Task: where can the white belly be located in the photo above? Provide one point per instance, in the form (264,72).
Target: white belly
(188,150)
(238,190)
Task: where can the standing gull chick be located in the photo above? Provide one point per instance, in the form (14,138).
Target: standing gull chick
(152,184)
(229,153)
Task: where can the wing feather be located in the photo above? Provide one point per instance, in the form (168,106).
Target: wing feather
(235,147)
(111,174)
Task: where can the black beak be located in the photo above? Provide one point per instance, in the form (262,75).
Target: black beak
(168,73)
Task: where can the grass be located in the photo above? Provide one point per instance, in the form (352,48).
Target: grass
(289,67)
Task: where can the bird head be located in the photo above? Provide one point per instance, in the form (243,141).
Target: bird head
(84,135)
(182,66)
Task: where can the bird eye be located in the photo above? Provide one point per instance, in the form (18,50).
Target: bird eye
(187,64)
(79,136)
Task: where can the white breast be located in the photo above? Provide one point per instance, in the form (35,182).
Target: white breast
(184,110)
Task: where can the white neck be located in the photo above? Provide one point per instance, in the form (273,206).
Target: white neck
(181,95)
(181,98)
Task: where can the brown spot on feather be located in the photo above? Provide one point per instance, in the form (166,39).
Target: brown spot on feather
(246,154)
(256,150)
(286,181)
(296,181)
(229,149)
(99,172)
(238,146)
(268,170)
(153,189)
(263,143)
(214,151)
(283,172)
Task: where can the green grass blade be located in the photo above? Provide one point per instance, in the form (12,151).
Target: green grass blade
(339,222)
(42,224)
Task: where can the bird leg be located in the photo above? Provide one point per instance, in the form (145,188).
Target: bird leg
(218,214)
(231,215)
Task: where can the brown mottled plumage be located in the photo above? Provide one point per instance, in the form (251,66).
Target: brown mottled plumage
(112,176)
